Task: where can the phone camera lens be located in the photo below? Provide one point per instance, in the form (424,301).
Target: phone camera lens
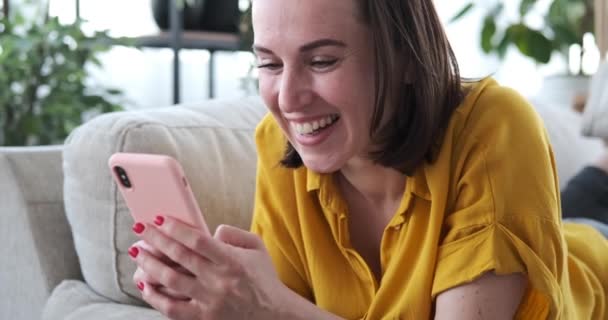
(122,176)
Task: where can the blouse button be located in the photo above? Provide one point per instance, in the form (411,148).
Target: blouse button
(397,227)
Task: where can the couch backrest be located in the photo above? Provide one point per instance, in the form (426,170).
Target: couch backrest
(213,142)
(572,150)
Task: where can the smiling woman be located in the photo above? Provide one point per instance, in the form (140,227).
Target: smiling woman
(376,71)
(387,188)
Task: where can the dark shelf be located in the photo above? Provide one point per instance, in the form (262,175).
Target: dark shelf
(176,38)
(203,40)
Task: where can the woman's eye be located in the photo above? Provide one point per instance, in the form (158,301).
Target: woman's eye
(269,66)
(324,63)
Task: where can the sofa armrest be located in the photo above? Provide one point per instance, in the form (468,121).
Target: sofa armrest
(37,249)
(75,300)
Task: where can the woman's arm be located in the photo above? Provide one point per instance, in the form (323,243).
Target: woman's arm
(230,275)
(489,297)
(302,309)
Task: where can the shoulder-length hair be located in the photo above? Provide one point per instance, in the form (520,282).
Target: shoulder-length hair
(416,71)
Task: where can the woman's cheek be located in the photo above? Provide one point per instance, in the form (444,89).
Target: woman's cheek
(266,91)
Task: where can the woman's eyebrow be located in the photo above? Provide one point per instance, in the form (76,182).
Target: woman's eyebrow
(322,43)
(307,47)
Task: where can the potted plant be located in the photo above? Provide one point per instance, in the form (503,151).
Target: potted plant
(565,23)
(44,78)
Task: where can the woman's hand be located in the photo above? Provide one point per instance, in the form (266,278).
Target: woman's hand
(229,276)
(140,277)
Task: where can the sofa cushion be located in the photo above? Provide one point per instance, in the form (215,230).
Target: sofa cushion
(214,144)
(74,300)
(595,116)
(572,150)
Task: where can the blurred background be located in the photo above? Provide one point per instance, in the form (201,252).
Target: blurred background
(530,45)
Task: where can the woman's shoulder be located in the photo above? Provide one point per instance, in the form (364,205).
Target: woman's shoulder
(489,107)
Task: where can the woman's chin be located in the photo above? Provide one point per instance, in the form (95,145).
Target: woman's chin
(320,165)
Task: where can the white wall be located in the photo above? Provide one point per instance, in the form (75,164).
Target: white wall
(146,75)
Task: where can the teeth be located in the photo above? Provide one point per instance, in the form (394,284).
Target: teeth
(310,127)
(322,123)
(307,128)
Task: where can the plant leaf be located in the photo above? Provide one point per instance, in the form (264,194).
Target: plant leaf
(503,45)
(487,33)
(531,43)
(114,92)
(53,56)
(525,6)
(497,10)
(462,12)
(565,36)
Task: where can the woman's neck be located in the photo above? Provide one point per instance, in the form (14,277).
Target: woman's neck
(377,184)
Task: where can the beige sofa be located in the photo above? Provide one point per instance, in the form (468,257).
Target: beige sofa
(65,230)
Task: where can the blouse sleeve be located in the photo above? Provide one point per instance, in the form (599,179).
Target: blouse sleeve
(504,212)
(269,205)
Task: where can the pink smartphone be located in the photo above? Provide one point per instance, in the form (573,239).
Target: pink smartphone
(155,185)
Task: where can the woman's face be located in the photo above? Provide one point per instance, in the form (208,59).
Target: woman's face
(317,77)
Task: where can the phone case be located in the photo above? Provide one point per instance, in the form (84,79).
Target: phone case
(156,186)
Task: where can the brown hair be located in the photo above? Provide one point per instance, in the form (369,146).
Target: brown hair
(415,70)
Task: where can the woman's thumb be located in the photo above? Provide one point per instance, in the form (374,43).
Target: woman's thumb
(237,237)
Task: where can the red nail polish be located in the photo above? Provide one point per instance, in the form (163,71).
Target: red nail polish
(138,228)
(140,286)
(133,252)
(159,220)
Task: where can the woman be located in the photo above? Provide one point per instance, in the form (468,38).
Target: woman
(385,188)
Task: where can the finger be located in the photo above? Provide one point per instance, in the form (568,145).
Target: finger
(157,253)
(161,256)
(142,277)
(237,237)
(203,244)
(172,308)
(171,293)
(166,275)
(179,254)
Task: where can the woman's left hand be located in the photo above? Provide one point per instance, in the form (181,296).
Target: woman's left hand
(232,273)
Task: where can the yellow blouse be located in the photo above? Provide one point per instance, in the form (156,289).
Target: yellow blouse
(489,202)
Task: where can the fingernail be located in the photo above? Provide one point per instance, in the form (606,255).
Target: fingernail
(133,252)
(140,286)
(159,220)
(138,228)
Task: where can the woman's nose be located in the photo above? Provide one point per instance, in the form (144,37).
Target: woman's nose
(295,92)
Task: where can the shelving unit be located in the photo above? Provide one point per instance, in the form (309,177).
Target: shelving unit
(176,39)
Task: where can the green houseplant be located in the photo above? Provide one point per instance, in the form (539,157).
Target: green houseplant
(565,23)
(44,79)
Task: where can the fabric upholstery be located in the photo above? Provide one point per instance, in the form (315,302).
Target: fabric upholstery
(214,144)
(595,116)
(74,300)
(572,150)
(37,249)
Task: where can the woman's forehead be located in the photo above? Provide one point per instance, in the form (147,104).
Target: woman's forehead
(289,19)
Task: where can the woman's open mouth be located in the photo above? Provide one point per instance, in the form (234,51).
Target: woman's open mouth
(313,128)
